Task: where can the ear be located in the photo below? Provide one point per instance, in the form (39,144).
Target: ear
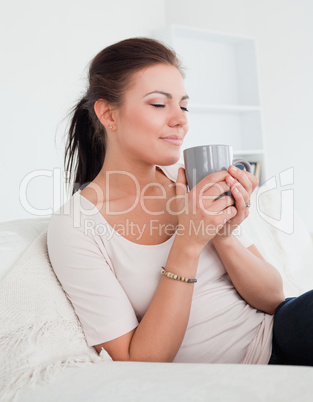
(105,113)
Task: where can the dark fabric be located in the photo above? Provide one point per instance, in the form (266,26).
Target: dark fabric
(293,331)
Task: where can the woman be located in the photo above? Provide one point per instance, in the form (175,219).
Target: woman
(124,243)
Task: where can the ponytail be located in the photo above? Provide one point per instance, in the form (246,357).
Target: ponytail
(85,147)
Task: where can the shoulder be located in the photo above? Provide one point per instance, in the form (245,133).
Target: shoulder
(93,193)
(73,212)
(68,224)
(73,240)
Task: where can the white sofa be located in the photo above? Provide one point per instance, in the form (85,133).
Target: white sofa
(60,366)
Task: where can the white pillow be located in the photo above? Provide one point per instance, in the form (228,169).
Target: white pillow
(15,237)
(40,333)
(288,247)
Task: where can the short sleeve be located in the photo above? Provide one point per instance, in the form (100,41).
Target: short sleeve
(99,300)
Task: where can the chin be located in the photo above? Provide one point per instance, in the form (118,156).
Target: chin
(167,160)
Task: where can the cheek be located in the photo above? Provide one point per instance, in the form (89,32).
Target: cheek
(142,122)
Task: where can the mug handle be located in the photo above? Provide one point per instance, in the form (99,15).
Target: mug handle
(244,163)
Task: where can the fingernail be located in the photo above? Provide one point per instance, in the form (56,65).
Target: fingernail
(233,168)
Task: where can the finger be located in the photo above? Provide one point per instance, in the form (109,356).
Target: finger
(242,177)
(224,202)
(240,202)
(254,180)
(228,214)
(217,206)
(215,190)
(245,194)
(212,178)
(208,199)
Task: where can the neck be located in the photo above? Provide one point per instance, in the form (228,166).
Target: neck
(127,177)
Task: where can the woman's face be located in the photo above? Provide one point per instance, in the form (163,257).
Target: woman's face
(152,122)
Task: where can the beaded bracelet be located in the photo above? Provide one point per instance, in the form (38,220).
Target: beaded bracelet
(177,277)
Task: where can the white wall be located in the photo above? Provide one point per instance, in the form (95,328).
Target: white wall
(45,49)
(283,31)
(46,46)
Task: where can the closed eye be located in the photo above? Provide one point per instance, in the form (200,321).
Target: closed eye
(160,105)
(157,105)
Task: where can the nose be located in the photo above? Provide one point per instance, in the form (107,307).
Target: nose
(178,117)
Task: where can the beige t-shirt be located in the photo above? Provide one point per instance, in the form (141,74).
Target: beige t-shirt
(111,282)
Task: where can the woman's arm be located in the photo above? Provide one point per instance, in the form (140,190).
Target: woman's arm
(161,331)
(257,281)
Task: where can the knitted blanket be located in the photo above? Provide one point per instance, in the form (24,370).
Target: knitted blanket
(40,333)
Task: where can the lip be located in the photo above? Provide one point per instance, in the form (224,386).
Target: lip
(173,139)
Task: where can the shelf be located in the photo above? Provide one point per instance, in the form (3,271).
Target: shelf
(222,83)
(248,152)
(194,107)
(241,130)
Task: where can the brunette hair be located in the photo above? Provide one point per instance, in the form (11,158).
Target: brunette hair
(110,73)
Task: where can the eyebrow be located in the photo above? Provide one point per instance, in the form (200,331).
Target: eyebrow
(168,95)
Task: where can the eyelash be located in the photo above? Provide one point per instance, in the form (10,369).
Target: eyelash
(160,105)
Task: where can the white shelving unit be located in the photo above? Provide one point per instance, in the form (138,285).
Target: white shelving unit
(222,82)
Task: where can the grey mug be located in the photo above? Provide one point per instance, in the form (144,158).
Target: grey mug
(203,160)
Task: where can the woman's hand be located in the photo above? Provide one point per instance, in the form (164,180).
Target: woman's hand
(242,185)
(204,210)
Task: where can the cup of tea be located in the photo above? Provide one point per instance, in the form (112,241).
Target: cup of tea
(203,160)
